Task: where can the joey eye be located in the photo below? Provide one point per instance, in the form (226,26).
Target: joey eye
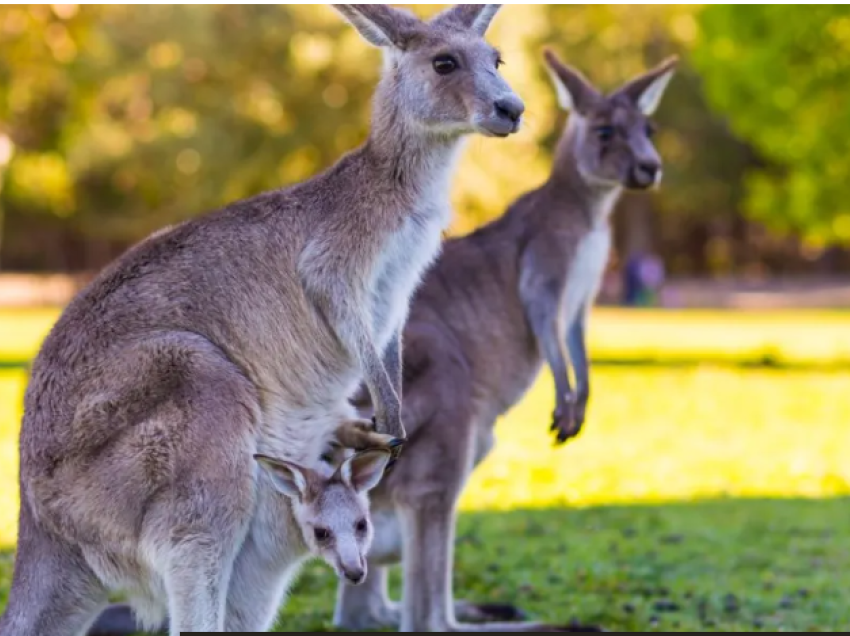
(321,534)
(604,133)
(445,64)
(361,526)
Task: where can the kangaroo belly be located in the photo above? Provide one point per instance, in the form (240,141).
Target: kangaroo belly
(586,273)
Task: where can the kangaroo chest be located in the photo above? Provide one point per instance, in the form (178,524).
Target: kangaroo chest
(407,254)
(585,273)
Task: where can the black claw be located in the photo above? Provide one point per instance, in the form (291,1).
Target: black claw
(396,442)
(390,465)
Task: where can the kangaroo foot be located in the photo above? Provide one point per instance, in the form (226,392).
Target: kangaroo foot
(118,620)
(468,612)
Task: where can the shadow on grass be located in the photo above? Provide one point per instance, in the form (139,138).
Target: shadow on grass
(711,566)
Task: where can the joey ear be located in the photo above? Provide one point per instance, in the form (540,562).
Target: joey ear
(647,90)
(379,24)
(575,92)
(474,17)
(288,478)
(363,471)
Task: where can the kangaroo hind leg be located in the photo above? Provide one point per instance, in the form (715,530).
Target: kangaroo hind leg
(196,527)
(54,592)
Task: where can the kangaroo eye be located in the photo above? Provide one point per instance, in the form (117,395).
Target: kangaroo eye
(650,130)
(445,64)
(321,534)
(604,133)
(361,526)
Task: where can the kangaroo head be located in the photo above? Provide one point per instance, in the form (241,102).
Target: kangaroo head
(440,76)
(333,512)
(610,136)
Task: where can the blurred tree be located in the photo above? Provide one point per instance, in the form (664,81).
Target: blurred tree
(125,118)
(780,73)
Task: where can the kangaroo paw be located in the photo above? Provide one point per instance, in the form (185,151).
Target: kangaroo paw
(360,435)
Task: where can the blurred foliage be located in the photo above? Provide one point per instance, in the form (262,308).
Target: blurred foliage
(780,73)
(126,118)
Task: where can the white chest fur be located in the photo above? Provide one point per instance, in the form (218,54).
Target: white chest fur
(407,255)
(586,271)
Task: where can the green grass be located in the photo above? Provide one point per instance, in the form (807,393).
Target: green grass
(699,498)
(714,566)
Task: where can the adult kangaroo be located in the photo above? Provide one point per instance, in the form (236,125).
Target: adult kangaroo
(497,305)
(241,332)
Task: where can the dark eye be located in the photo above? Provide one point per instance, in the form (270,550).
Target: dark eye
(605,133)
(361,526)
(321,534)
(445,64)
(650,130)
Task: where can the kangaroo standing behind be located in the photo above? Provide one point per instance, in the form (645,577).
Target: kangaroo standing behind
(499,304)
(244,331)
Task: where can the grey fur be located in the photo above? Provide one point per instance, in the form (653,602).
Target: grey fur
(241,332)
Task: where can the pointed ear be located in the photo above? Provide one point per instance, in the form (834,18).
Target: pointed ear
(473,17)
(575,92)
(288,478)
(379,24)
(364,470)
(647,90)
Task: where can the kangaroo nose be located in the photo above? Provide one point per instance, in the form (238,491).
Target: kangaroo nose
(647,173)
(355,576)
(510,107)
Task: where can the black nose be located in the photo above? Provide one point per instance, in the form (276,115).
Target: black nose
(510,108)
(355,576)
(647,172)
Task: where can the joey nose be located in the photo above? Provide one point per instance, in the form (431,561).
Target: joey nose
(355,576)
(510,108)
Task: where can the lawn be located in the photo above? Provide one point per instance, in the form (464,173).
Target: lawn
(699,498)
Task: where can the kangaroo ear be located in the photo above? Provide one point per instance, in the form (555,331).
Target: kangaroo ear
(380,24)
(474,17)
(575,92)
(288,478)
(364,471)
(647,90)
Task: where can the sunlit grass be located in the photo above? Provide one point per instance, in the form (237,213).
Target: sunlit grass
(22,330)
(12,385)
(657,434)
(803,337)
